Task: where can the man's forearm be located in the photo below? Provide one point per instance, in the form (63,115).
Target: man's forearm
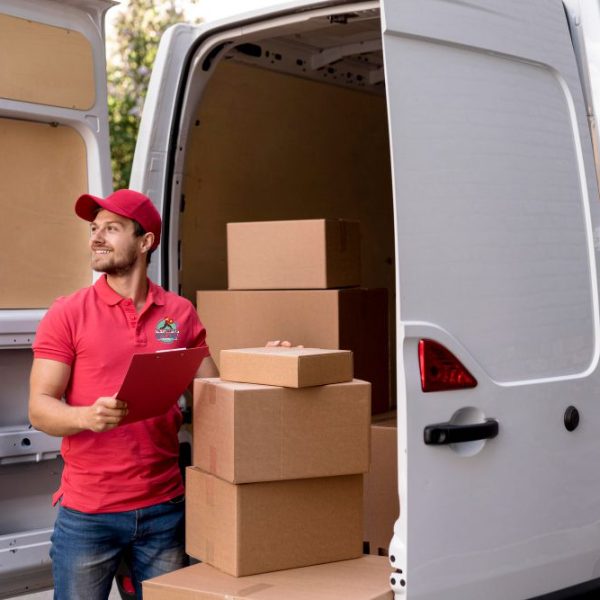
(55,417)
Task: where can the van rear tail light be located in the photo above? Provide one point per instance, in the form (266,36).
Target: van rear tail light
(441,370)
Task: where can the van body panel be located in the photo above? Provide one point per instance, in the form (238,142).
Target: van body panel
(495,203)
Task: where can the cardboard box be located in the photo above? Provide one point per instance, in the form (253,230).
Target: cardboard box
(260,527)
(382,505)
(287,367)
(353,319)
(288,255)
(247,433)
(365,578)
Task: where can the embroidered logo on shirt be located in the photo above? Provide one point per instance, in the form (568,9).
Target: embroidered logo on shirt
(166,331)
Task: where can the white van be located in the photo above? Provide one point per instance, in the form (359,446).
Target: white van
(461,134)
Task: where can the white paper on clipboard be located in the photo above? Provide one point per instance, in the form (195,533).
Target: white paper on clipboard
(155,380)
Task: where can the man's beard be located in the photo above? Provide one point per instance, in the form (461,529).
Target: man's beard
(118,267)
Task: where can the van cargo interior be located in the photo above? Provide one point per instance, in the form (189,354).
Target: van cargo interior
(291,124)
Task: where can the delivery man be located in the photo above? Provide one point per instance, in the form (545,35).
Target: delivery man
(121,489)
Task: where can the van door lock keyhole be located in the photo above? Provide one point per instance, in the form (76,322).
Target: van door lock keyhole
(571,418)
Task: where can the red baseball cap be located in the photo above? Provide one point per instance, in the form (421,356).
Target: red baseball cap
(126,203)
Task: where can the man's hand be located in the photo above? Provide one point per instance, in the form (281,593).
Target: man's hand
(281,344)
(105,414)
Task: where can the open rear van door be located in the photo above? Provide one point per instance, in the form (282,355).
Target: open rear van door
(496,208)
(54,137)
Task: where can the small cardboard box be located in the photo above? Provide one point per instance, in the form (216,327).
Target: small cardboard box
(316,253)
(287,367)
(261,527)
(246,433)
(382,506)
(365,578)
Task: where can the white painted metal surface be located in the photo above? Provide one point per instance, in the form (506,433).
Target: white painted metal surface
(149,170)
(496,202)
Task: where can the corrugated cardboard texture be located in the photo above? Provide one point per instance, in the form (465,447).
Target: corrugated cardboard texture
(342,253)
(48,65)
(248,433)
(287,367)
(300,254)
(351,319)
(365,578)
(382,506)
(45,249)
(261,527)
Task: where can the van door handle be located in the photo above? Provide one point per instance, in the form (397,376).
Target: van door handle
(450,433)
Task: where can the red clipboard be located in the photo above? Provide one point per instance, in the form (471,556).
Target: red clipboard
(155,380)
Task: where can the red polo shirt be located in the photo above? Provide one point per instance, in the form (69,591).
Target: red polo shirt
(95,331)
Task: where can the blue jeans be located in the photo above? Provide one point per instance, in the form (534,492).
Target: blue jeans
(87,548)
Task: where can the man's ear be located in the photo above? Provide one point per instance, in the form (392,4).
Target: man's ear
(147,241)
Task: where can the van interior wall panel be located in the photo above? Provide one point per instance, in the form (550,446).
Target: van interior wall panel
(44,245)
(14,372)
(270,146)
(45,64)
(25,495)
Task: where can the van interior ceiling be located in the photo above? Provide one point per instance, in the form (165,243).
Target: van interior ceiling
(292,124)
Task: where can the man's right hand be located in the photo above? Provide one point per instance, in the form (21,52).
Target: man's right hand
(105,414)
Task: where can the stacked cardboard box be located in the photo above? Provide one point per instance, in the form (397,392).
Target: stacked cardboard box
(281,280)
(277,476)
(365,578)
(247,432)
(276,255)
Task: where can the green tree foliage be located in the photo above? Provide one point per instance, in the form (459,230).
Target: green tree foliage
(137,31)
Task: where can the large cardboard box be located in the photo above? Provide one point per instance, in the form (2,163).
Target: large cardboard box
(287,367)
(382,507)
(352,319)
(365,578)
(246,433)
(288,255)
(261,527)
